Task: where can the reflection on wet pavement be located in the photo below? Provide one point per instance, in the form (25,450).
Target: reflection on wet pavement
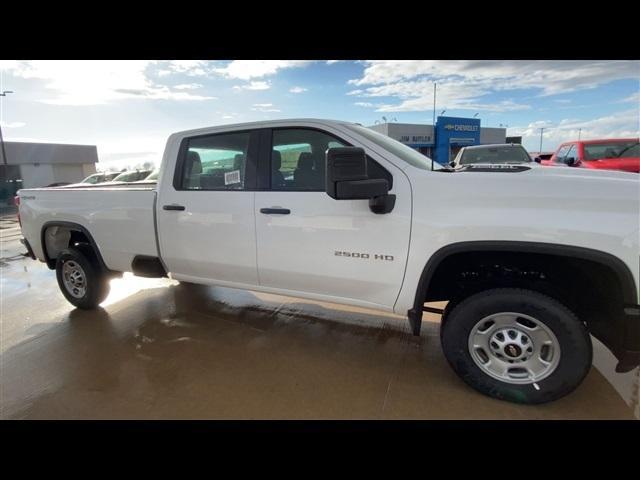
(159,349)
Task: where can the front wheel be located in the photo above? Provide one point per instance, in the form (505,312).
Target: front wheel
(517,345)
(80,279)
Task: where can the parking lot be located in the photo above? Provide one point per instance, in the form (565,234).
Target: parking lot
(160,350)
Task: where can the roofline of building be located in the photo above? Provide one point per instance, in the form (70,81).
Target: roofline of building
(7,142)
(423,125)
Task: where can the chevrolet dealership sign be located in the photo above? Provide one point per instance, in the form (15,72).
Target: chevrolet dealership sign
(454,132)
(462,128)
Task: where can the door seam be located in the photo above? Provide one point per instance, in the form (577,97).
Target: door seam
(255,237)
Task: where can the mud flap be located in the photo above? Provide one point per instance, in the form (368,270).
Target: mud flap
(415,321)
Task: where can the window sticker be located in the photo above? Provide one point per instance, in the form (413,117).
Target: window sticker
(232,177)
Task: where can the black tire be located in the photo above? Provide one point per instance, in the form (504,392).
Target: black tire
(571,334)
(96,282)
(451,304)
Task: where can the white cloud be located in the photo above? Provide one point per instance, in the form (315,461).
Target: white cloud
(254,85)
(264,107)
(331,62)
(364,104)
(236,69)
(553,76)
(75,82)
(192,68)
(188,86)
(633,98)
(417,95)
(622,124)
(297,89)
(462,84)
(248,69)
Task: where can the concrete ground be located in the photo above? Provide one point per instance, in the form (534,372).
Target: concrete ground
(160,350)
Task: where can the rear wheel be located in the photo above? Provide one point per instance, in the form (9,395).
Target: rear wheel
(517,345)
(80,279)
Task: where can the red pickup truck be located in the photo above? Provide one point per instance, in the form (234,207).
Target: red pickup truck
(608,154)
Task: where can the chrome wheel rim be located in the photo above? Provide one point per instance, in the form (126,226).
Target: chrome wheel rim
(514,348)
(74,279)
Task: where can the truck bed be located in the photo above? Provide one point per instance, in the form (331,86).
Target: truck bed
(121,218)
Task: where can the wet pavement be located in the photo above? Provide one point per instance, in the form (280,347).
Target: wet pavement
(160,350)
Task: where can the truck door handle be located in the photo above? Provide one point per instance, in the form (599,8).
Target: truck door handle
(173,207)
(281,211)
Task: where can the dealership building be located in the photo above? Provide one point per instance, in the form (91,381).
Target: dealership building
(442,141)
(30,165)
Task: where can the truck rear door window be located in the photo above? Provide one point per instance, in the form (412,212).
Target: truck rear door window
(215,162)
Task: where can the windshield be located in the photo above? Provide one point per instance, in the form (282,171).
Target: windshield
(408,154)
(595,151)
(495,154)
(92,178)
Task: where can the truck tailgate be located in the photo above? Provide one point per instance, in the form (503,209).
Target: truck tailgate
(120,220)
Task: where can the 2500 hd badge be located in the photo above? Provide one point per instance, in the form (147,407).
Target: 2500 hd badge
(376,256)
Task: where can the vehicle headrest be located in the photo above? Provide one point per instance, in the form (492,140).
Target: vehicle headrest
(238,161)
(276,160)
(305,161)
(194,165)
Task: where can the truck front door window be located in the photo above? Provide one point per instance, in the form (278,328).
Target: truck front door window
(298,159)
(562,153)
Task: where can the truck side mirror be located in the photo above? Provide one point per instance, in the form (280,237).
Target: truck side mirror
(452,164)
(537,160)
(570,161)
(347,179)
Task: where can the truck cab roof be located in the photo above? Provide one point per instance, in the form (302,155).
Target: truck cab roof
(263,124)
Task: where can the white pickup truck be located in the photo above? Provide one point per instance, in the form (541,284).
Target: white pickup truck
(530,260)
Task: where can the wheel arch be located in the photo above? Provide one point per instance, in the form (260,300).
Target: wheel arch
(426,283)
(71,227)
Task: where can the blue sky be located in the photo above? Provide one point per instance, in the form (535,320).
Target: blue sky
(128,108)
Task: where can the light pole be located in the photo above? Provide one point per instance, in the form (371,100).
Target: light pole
(435,85)
(4,153)
(579,133)
(541,132)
